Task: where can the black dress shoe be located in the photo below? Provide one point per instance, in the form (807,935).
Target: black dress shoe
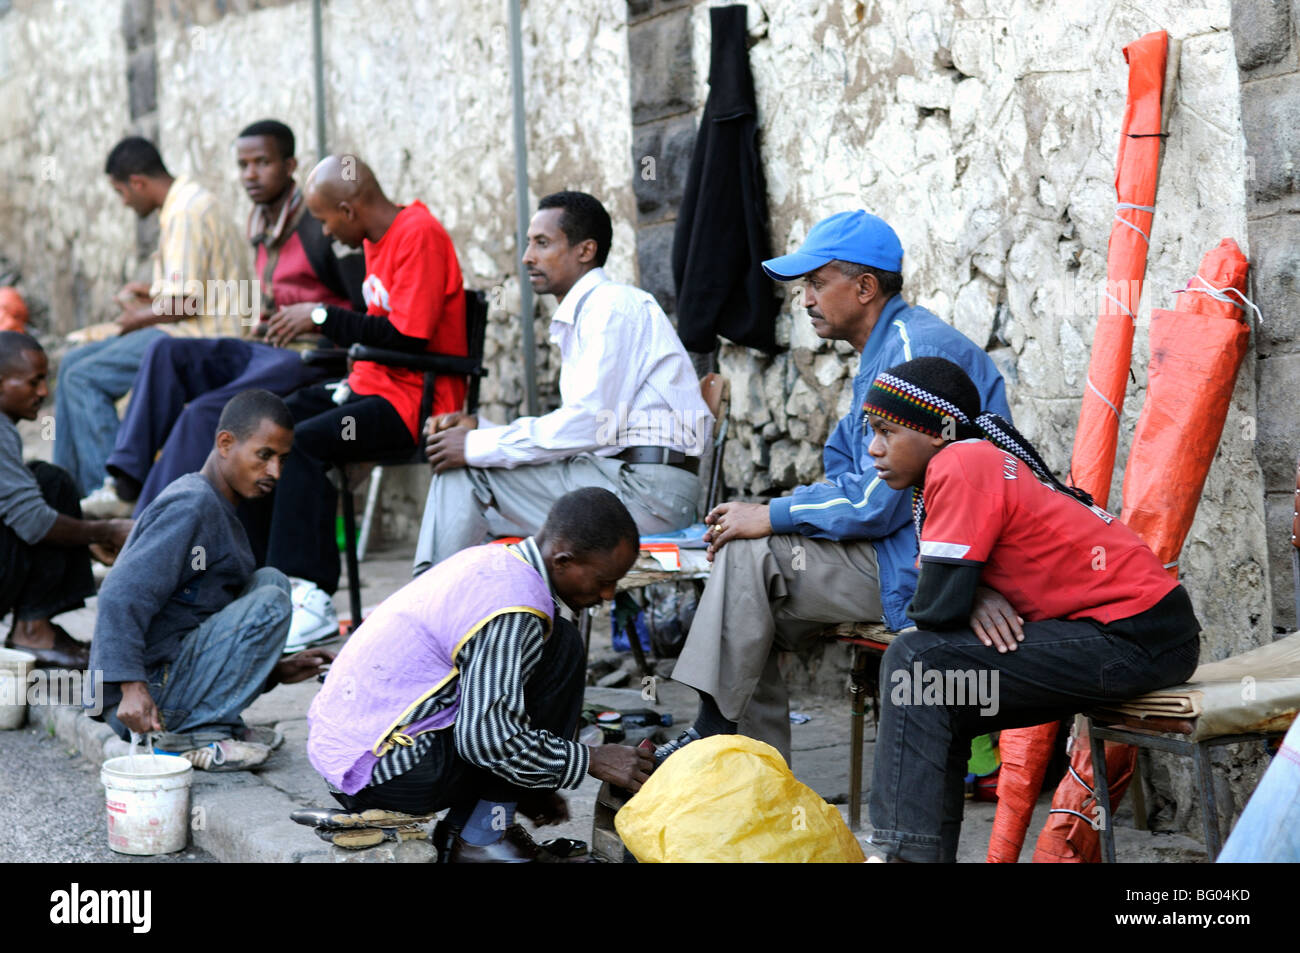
(514,847)
(66,652)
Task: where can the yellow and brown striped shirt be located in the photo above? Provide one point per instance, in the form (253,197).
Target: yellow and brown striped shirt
(203,259)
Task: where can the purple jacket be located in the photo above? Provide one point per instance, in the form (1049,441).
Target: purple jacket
(405,651)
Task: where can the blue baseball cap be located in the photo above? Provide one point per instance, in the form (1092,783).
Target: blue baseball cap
(859,237)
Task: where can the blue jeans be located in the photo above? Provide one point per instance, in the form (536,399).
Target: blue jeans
(938,690)
(1269,828)
(92,379)
(222,667)
(180,390)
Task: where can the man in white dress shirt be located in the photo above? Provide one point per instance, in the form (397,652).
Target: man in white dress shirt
(631,418)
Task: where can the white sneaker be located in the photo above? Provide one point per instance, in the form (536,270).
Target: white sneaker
(228,755)
(103,504)
(315,619)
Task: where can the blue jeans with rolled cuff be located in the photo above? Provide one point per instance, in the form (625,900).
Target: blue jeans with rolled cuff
(223,666)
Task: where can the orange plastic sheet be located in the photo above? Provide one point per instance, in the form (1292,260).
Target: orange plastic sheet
(13,310)
(1093,458)
(1070,835)
(1196,351)
(1025,753)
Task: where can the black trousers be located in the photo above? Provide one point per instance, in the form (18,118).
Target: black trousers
(294,530)
(552,700)
(42,580)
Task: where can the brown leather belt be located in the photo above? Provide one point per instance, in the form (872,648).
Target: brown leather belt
(674,458)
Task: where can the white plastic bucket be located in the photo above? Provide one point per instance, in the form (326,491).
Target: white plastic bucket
(148,801)
(14,669)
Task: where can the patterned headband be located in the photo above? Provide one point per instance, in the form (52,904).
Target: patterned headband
(904,403)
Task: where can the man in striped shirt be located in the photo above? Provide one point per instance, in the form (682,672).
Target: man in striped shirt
(463,689)
(201,288)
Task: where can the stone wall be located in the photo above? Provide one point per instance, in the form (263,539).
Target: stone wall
(987,135)
(1266,35)
(63,103)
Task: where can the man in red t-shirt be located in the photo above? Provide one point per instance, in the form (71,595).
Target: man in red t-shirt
(1032,602)
(415,302)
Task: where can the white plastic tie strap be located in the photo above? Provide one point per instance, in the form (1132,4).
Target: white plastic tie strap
(1137,208)
(1113,409)
(1222,294)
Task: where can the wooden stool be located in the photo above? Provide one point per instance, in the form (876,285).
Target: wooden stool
(869,642)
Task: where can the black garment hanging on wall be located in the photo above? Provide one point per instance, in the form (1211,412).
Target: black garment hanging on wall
(722,227)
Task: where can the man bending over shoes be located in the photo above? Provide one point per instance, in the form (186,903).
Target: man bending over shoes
(189,633)
(463,689)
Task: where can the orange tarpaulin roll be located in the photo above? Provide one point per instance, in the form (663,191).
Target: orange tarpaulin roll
(1025,753)
(13,310)
(1068,837)
(1196,351)
(1093,459)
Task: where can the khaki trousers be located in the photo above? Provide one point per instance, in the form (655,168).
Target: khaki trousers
(764,596)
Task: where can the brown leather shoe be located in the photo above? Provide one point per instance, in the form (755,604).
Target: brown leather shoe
(514,847)
(66,652)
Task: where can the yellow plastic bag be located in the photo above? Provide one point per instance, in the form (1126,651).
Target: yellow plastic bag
(731,799)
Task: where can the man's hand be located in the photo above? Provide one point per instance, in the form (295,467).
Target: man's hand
(993,619)
(446,421)
(118,531)
(544,807)
(446,449)
(621,766)
(137,710)
(135,318)
(728,521)
(289,322)
(132,293)
(300,666)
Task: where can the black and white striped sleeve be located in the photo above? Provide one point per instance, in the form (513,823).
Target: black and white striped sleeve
(492,729)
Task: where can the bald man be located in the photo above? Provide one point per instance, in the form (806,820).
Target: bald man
(415,302)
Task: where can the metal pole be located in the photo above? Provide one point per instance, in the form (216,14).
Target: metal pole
(521,208)
(318,68)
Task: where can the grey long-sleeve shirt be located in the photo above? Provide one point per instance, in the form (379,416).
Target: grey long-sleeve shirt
(187,558)
(22,508)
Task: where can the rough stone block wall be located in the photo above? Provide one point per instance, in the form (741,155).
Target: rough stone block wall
(987,135)
(1266,33)
(428,105)
(665,113)
(63,103)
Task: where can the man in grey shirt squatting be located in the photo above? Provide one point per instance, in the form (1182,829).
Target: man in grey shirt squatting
(189,633)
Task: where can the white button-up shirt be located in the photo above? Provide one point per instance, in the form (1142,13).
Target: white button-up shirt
(625,381)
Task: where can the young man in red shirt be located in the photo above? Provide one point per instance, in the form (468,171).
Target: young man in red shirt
(415,302)
(1032,602)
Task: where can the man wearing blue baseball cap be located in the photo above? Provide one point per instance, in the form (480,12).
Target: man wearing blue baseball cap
(843,550)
